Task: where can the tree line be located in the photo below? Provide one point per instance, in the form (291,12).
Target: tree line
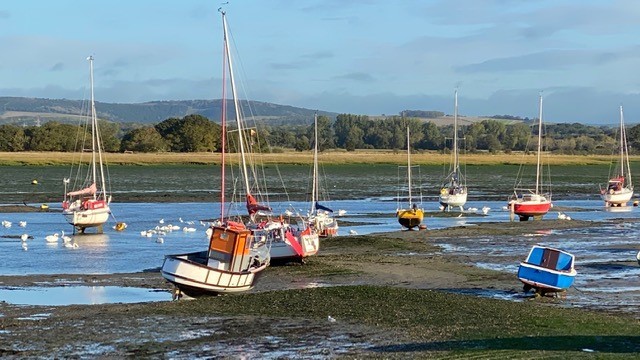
(196,133)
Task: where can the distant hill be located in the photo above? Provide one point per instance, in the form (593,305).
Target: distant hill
(28,111)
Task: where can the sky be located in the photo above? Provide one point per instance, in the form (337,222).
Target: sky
(367,57)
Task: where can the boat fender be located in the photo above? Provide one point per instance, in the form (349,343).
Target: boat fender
(443,191)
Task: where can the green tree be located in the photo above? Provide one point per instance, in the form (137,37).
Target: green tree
(12,138)
(145,139)
(193,133)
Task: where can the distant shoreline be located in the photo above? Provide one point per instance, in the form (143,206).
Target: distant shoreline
(332,157)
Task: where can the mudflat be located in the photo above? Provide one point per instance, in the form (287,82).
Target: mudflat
(391,295)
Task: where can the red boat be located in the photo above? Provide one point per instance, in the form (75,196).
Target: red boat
(527,203)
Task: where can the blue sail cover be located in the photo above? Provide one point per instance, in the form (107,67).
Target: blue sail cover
(320,207)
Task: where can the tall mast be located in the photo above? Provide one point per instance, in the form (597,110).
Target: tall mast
(409,164)
(223,125)
(622,143)
(314,186)
(236,105)
(95,139)
(539,146)
(455,133)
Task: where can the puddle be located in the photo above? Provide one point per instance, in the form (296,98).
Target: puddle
(80,295)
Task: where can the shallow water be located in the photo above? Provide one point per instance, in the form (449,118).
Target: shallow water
(80,295)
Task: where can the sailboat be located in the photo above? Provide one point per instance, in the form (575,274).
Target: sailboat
(410,217)
(619,190)
(236,255)
(320,216)
(87,204)
(454,190)
(527,202)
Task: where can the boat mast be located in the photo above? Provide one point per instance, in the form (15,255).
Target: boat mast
(409,164)
(455,136)
(539,146)
(622,143)
(223,125)
(95,138)
(314,187)
(236,105)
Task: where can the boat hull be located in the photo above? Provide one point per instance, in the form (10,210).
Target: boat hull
(453,200)
(547,270)
(545,280)
(87,218)
(189,273)
(617,198)
(288,251)
(410,218)
(530,206)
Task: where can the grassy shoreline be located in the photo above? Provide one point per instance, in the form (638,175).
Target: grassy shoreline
(334,157)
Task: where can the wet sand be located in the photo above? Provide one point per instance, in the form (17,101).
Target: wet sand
(382,264)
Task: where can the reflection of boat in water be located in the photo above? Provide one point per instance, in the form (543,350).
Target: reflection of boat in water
(88,205)
(527,202)
(618,209)
(547,270)
(236,254)
(619,189)
(412,216)
(453,192)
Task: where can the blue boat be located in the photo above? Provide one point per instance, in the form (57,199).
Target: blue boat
(547,270)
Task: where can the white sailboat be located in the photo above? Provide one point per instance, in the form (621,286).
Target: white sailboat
(320,217)
(619,190)
(453,192)
(236,254)
(87,205)
(527,202)
(412,216)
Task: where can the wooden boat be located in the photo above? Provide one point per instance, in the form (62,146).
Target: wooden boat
(320,217)
(88,204)
(547,270)
(528,202)
(453,192)
(619,189)
(236,254)
(411,216)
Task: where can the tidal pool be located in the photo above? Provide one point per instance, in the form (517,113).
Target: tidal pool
(80,295)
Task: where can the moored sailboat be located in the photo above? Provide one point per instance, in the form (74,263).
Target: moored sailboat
(453,192)
(88,204)
(320,217)
(528,202)
(619,190)
(411,216)
(235,256)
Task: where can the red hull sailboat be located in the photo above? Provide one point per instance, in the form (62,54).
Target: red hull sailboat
(532,203)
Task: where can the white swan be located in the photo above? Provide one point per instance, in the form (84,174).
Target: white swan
(65,238)
(485,210)
(52,238)
(22,223)
(161,221)
(24,237)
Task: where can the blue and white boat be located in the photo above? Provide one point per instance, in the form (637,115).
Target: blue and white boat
(547,270)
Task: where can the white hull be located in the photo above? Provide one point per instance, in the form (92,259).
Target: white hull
(618,198)
(280,250)
(87,218)
(188,273)
(455,200)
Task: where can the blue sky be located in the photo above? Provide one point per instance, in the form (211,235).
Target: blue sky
(357,56)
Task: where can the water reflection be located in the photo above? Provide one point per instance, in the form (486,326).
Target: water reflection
(80,295)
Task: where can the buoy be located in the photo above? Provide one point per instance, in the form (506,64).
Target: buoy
(34,182)
(120,226)
(422,227)
(44,207)
(635,203)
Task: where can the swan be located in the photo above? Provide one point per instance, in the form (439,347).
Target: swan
(180,219)
(160,240)
(65,238)
(22,223)
(161,221)
(485,210)
(563,216)
(353,232)
(24,237)
(188,229)
(6,223)
(52,238)
(342,212)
